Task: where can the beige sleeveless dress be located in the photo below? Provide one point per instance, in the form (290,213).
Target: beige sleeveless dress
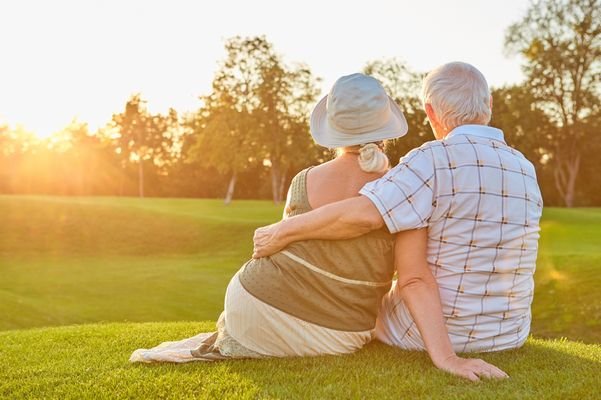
(314,297)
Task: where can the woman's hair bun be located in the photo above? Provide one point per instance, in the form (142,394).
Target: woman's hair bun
(372,158)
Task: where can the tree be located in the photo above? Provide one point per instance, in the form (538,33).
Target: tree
(286,95)
(72,158)
(5,154)
(404,86)
(257,113)
(525,126)
(18,148)
(225,135)
(528,129)
(561,43)
(143,138)
(223,140)
(589,193)
(85,162)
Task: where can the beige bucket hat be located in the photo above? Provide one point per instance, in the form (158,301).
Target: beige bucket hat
(356,111)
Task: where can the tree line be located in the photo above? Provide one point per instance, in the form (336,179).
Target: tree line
(250,135)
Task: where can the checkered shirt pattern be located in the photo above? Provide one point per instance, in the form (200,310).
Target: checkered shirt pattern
(481,203)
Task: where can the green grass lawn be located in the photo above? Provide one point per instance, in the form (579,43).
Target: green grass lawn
(90,361)
(79,260)
(88,260)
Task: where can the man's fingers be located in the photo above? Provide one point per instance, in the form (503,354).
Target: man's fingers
(479,368)
(257,252)
(475,369)
(493,371)
(258,243)
(499,373)
(264,243)
(471,376)
(260,250)
(484,373)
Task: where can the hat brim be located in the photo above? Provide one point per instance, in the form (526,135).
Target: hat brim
(327,136)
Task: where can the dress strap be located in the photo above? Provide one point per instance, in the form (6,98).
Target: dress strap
(298,202)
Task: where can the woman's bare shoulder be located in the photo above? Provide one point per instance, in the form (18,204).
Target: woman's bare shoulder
(334,181)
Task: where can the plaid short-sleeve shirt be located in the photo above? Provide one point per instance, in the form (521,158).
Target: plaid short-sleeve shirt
(481,203)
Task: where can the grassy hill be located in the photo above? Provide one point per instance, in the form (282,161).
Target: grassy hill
(78,260)
(88,260)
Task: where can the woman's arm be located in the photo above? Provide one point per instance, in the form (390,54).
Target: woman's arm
(419,291)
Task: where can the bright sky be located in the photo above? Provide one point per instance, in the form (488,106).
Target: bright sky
(81,58)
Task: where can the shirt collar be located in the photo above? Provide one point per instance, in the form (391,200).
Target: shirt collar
(478,130)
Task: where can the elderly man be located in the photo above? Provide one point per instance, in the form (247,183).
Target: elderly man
(481,205)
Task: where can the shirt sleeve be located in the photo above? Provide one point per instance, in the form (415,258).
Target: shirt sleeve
(405,195)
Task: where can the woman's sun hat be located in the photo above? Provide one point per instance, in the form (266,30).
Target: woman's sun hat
(356,111)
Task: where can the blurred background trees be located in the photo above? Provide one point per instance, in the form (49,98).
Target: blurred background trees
(250,134)
(256,116)
(561,43)
(145,140)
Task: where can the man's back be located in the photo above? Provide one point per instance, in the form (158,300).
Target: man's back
(483,224)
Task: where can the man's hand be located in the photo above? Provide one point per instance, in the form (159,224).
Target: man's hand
(344,219)
(267,242)
(473,369)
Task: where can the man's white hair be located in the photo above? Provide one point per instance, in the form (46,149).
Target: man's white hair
(458,94)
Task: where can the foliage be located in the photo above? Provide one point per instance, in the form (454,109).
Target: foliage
(71,162)
(528,129)
(144,138)
(257,113)
(251,132)
(561,43)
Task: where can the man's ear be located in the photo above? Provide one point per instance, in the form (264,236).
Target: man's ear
(491,103)
(430,112)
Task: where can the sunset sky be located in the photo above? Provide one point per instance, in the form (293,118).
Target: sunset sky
(64,59)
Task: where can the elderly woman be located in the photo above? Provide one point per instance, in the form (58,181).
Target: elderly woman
(313,297)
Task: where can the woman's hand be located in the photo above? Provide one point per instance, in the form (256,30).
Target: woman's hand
(471,368)
(267,240)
